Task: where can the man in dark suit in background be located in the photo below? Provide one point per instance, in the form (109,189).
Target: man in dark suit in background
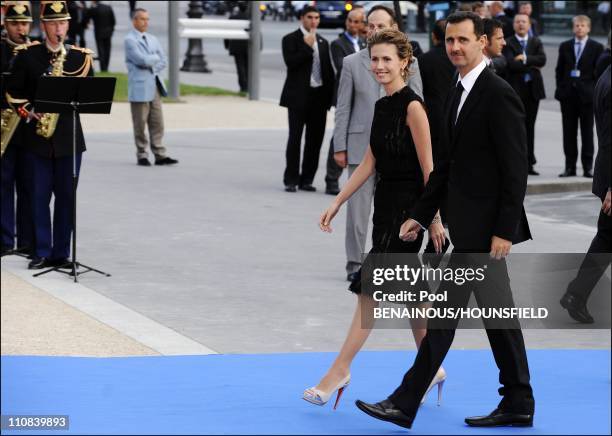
(575,77)
(526,8)
(483,180)
(496,42)
(349,42)
(104,25)
(525,57)
(307,94)
(437,74)
(239,48)
(593,267)
(497,12)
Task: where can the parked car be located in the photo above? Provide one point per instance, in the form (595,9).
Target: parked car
(333,13)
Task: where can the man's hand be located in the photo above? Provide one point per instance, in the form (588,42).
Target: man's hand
(310,38)
(520,58)
(500,247)
(340,159)
(410,230)
(607,205)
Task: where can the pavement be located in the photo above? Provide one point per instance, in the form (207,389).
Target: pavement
(204,254)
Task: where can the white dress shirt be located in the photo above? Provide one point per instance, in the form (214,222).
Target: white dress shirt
(313,81)
(468,83)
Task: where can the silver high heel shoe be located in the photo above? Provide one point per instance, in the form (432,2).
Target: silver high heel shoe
(439,380)
(320,398)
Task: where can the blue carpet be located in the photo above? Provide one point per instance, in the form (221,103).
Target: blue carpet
(261,394)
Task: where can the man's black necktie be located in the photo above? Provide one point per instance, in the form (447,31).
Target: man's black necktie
(455,103)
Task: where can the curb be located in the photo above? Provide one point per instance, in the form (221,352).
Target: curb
(553,188)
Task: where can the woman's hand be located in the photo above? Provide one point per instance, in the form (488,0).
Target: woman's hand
(437,236)
(328,216)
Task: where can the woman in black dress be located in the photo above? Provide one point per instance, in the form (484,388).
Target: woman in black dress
(401,155)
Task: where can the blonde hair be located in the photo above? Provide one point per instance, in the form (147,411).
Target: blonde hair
(581,18)
(399,40)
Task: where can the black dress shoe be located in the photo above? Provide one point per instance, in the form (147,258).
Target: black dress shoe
(351,277)
(386,411)
(576,308)
(307,187)
(144,162)
(332,190)
(588,174)
(499,418)
(38,263)
(532,172)
(166,161)
(568,173)
(290,188)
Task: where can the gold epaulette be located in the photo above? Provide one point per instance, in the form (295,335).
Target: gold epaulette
(87,51)
(25,46)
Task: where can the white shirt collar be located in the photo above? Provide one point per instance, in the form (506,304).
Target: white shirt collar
(582,41)
(522,38)
(303,29)
(470,78)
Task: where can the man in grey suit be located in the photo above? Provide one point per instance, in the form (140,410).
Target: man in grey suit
(358,92)
(349,42)
(145,61)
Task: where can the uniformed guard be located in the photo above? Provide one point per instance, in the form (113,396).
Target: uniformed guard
(48,144)
(18,18)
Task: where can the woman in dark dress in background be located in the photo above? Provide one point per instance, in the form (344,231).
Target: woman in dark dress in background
(400,153)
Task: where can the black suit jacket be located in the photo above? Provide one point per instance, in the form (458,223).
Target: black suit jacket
(482,172)
(567,86)
(29,65)
(515,70)
(507,25)
(437,76)
(103,18)
(298,58)
(603,161)
(341,47)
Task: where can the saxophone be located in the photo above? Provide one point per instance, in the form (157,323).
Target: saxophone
(48,121)
(9,118)
(9,122)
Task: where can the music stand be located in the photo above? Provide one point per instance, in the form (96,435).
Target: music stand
(65,95)
(19,251)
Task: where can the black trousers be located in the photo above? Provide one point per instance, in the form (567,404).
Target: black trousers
(242,68)
(572,112)
(104,51)
(507,345)
(531,105)
(334,171)
(313,116)
(593,267)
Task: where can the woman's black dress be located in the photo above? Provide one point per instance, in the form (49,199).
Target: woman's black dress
(399,177)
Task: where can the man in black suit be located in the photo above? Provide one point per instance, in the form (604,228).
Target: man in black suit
(307,94)
(349,42)
(525,57)
(437,74)
(483,180)
(104,25)
(496,42)
(593,267)
(575,77)
(497,12)
(239,48)
(526,8)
